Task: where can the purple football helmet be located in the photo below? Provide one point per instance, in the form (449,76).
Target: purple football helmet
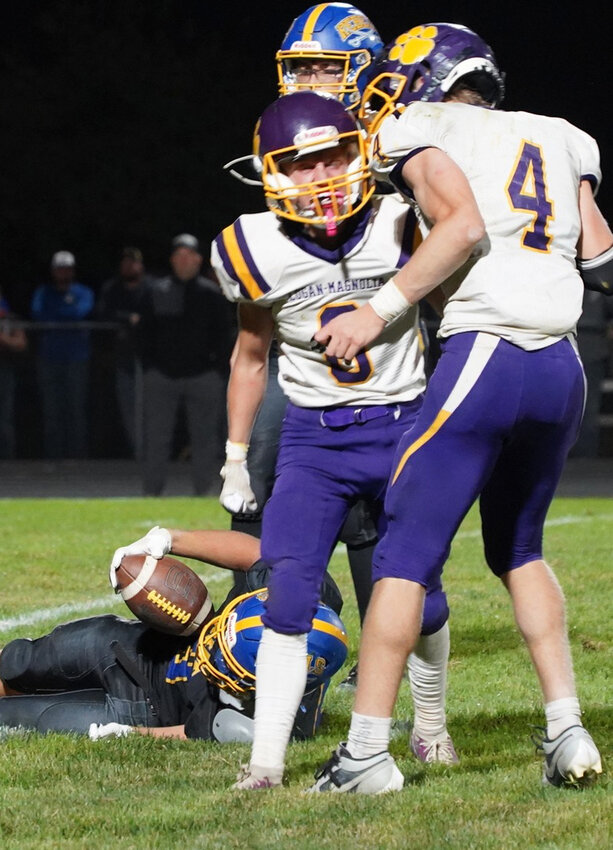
(424,63)
(299,125)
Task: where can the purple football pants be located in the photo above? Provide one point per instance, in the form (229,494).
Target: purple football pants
(328,460)
(497,423)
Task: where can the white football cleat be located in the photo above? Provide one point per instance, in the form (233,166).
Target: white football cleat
(571,759)
(376,774)
(437,751)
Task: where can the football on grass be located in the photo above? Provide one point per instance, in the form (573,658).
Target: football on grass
(165,594)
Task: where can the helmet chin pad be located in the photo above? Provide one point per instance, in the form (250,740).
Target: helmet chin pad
(322,200)
(276,182)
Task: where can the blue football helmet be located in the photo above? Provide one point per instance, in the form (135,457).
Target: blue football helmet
(301,124)
(424,63)
(228,645)
(330,31)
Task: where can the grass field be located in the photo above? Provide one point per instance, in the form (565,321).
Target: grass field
(68,792)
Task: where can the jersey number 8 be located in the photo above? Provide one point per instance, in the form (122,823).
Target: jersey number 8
(360,368)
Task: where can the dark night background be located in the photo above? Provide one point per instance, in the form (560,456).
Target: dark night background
(117,116)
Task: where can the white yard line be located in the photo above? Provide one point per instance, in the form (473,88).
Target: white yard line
(550,523)
(44,615)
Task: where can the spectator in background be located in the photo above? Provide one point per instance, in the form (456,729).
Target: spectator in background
(120,301)
(13,342)
(63,359)
(593,328)
(186,335)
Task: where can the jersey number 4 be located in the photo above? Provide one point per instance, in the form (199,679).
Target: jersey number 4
(527,192)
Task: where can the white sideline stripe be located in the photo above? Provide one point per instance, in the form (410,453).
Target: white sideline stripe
(549,523)
(43,615)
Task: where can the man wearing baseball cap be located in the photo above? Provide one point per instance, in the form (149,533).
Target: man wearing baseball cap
(187,332)
(63,359)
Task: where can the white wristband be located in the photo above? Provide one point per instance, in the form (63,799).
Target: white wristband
(389,303)
(236,451)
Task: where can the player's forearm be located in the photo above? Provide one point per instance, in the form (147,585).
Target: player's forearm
(246,389)
(231,550)
(177,732)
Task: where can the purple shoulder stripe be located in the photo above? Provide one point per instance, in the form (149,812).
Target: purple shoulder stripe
(223,254)
(250,262)
(238,262)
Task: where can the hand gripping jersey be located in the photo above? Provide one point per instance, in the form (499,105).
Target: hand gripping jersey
(522,283)
(305,286)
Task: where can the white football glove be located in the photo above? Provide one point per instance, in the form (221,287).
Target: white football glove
(157,542)
(236,495)
(97,731)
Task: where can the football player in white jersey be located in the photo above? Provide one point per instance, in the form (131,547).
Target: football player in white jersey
(506,204)
(330,48)
(323,248)
(333,48)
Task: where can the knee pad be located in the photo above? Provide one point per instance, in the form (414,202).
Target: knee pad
(14,662)
(291,603)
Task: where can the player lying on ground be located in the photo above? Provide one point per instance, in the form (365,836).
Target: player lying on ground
(108,675)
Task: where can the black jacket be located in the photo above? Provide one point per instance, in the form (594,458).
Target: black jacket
(186,328)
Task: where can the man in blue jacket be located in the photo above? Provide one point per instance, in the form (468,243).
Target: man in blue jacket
(63,359)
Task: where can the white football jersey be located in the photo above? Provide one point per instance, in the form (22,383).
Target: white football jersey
(522,283)
(305,286)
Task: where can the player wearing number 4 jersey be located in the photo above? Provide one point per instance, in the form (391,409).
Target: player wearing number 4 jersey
(506,205)
(324,249)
